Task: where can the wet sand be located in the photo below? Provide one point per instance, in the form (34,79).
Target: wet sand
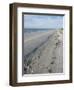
(47,57)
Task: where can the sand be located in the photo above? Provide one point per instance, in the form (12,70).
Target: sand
(47,56)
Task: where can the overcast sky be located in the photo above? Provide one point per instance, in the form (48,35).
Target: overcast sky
(43,21)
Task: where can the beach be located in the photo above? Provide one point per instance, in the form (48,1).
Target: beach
(43,52)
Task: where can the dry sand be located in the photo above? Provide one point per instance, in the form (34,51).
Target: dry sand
(48,57)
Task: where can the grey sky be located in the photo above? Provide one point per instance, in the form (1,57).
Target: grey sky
(43,21)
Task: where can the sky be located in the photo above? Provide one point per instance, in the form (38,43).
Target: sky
(43,21)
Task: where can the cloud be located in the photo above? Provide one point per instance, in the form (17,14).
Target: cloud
(43,21)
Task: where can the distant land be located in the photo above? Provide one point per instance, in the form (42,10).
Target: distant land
(40,29)
(44,28)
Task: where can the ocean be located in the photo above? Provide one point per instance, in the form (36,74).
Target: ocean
(37,30)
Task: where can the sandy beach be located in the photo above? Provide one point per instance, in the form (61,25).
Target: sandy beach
(43,52)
